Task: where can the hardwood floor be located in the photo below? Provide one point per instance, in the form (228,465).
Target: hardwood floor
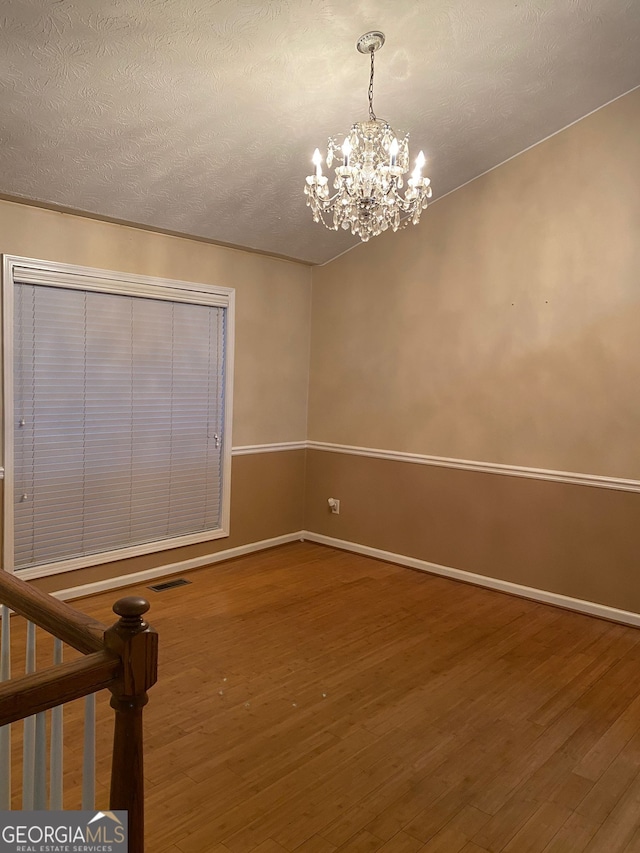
(315,701)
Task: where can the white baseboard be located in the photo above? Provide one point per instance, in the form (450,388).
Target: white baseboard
(627,617)
(590,608)
(172,568)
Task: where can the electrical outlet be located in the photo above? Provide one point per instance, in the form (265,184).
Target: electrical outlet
(334,505)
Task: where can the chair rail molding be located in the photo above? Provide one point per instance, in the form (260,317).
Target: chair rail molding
(571,477)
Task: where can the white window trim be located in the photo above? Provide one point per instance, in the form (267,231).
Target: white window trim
(87,278)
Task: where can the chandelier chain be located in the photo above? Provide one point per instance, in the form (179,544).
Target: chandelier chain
(372,115)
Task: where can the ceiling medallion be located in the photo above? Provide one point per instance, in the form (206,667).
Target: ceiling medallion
(368,178)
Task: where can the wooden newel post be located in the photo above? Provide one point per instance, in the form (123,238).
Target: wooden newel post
(137,646)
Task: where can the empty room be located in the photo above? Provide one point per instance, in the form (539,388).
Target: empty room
(321,473)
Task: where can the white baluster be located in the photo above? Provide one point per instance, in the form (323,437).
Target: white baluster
(29,737)
(55,760)
(89,758)
(40,763)
(5,731)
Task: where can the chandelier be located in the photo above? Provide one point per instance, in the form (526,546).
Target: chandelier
(368,177)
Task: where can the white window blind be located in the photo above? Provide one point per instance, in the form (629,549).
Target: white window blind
(119,417)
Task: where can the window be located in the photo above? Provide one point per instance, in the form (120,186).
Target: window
(117,415)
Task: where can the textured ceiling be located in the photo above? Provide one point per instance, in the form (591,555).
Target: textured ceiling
(200,116)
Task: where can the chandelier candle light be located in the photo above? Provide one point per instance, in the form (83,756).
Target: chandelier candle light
(369,176)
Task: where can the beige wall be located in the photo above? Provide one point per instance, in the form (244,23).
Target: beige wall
(272,304)
(577,541)
(505,326)
(273,299)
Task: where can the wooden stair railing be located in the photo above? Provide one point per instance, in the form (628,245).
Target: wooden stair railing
(122,658)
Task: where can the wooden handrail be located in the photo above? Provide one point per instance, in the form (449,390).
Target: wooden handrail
(82,632)
(64,682)
(123,658)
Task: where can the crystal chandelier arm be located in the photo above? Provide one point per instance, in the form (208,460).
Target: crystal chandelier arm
(327,202)
(351,191)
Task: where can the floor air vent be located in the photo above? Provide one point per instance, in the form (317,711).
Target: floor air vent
(160,587)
